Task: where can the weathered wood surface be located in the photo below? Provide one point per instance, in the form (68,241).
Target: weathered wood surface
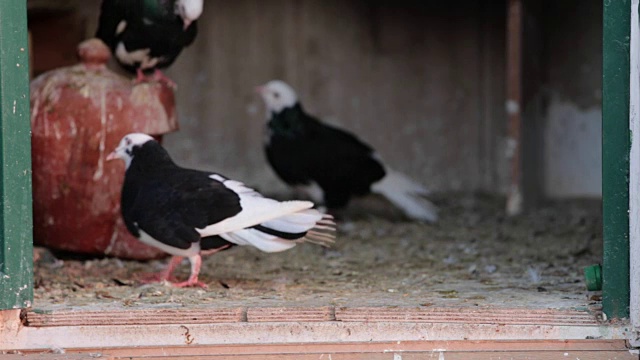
(79,338)
(16,250)
(427,95)
(540,355)
(514,106)
(470,316)
(582,349)
(136,317)
(203,315)
(615,155)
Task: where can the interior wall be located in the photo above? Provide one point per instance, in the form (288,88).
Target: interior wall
(573,92)
(422,82)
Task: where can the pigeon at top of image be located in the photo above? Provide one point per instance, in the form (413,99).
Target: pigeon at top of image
(148,35)
(330,164)
(189,213)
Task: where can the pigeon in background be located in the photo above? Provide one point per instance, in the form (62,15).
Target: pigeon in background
(189,213)
(330,164)
(148,35)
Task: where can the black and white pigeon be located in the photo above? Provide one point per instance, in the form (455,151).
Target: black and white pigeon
(189,213)
(330,164)
(148,35)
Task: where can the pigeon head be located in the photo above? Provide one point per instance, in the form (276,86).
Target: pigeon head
(127,145)
(277,95)
(189,11)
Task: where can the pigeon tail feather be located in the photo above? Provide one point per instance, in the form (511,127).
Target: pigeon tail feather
(298,222)
(311,226)
(258,239)
(256,209)
(407,195)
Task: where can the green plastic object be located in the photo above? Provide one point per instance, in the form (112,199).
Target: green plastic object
(593,277)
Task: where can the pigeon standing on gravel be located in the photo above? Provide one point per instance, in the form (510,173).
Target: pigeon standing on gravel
(148,35)
(330,164)
(187,212)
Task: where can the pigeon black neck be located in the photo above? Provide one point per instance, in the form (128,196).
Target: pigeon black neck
(288,122)
(159,10)
(150,156)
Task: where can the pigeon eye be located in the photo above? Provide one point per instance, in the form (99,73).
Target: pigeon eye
(127,141)
(276,95)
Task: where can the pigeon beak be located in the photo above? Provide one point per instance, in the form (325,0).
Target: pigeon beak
(186,23)
(259,89)
(113,156)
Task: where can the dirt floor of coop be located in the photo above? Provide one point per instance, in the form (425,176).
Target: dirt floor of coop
(475,257)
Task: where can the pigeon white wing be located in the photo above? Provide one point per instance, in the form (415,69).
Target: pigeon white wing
(256,209)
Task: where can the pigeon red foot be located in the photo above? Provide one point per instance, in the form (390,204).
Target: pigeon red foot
(196,263)
(160,77)
(195,269)
(164,275)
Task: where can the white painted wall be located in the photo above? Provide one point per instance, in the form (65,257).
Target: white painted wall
(573,150)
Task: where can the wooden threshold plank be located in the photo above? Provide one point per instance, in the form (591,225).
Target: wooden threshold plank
(537,355)
(75,317)
(524,349)
(267,314)
(541,355)
(51,356)
(470,316)
(243,333)
(377,347)
(136,317)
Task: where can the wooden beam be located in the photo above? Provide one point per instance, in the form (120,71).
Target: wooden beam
(101,316)
(615,158)
(183,334)
(571,349)
(514,105)
(634,174)
(16,240)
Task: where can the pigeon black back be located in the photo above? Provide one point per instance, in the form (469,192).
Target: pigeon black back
(301,150)
(190,213)
(169,202)
(144,34)
(330,164)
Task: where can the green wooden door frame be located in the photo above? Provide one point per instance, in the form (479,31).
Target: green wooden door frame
(615,157)
(16,239)
(16,265)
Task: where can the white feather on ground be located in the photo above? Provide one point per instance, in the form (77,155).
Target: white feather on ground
(407,195)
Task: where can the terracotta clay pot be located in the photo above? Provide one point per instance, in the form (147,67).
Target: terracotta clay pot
(78,116)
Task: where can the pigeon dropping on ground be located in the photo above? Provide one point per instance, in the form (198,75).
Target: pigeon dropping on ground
(330,164)
(148,35)
(189,213)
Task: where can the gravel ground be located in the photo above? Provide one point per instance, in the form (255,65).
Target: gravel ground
(475,256)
